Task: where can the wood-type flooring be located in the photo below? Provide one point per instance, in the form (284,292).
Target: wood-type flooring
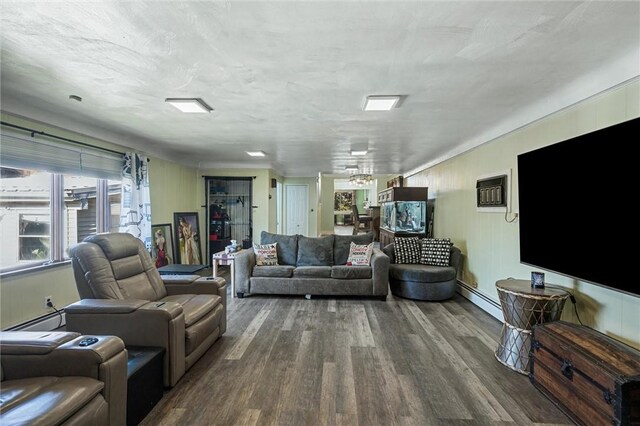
(354,361)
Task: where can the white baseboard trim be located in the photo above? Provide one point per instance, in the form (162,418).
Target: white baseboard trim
(480,300)
(46,323)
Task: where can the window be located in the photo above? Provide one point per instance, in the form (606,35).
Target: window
(25,216)
(25,211)
(53,194)
(34,237)
(115,195)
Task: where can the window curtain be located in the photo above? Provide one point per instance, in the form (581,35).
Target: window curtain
(135,213)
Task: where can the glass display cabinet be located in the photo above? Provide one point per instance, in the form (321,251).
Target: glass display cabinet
(229,212)
(403,213)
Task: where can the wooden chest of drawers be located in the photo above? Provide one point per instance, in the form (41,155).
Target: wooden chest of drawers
(594,379)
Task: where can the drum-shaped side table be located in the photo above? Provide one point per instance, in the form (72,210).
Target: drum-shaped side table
(523,307)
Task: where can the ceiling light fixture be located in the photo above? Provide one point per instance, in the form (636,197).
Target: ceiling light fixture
(351,168)
(256,153)
(359,152)
(190,105)
(381,103)
(361,179)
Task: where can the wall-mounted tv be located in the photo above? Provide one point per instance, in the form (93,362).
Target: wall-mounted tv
(575,204)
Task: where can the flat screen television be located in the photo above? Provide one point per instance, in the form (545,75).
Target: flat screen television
(575,211)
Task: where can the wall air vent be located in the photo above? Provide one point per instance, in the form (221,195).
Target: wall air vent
(492,192)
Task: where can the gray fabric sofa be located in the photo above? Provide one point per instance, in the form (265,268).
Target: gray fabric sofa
(424,282)
(312,266)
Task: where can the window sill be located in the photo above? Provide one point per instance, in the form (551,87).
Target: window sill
(33,269)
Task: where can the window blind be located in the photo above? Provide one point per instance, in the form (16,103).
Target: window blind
(24,151)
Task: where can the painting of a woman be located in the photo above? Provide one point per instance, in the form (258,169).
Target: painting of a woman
(161,256)
(162,245)
(187,225)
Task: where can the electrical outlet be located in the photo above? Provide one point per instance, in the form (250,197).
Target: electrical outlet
(48,300)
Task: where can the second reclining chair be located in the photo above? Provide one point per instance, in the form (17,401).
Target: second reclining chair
(123,294)
(54,378)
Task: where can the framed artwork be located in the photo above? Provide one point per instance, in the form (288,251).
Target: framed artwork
(162,248)
(187,238)
(342,201)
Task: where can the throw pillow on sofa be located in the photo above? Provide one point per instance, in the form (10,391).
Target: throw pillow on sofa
(406,249)
(435,251)
(360,255)
(266,254)
(342,245)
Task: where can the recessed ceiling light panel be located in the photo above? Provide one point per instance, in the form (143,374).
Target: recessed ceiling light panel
(359,152)
(256,153)
(381,103)
(351,168)
(190,105)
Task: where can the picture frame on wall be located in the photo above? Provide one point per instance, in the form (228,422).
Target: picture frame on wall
(162,247)
(342,201)
(187,228)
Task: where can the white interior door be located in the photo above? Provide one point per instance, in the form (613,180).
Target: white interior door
(297,209)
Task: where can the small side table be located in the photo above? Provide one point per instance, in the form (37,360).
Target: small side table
(144,381)
(222,259)
(523,307)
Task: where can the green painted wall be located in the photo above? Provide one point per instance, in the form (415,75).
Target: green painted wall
(326,197)
(491,245)
(273,201)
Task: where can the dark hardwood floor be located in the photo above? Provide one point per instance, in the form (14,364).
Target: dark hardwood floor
(325,361)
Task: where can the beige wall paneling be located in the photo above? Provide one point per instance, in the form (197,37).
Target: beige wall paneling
(491,245)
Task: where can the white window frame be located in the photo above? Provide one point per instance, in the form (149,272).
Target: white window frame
(33,149)
(57,253)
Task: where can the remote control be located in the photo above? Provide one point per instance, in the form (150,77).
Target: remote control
(88,341)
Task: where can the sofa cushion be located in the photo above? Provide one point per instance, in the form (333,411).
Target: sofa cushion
(407,249)
(279,271)
(287,247)
(342,272)
(266,254)
(46,400)
(422,273)
(312,272)
(342,243)
(435,251)
(315,251)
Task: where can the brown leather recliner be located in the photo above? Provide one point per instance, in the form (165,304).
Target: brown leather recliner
(123,294)
(49,378)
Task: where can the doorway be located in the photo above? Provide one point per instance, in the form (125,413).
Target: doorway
(297,209)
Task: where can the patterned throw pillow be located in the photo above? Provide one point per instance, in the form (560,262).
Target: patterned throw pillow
(360,255)
(266,254)
(406,249)
(435,251)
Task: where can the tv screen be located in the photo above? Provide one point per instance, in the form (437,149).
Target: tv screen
(575,201)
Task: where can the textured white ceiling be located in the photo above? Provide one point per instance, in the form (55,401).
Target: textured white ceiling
(290,78)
